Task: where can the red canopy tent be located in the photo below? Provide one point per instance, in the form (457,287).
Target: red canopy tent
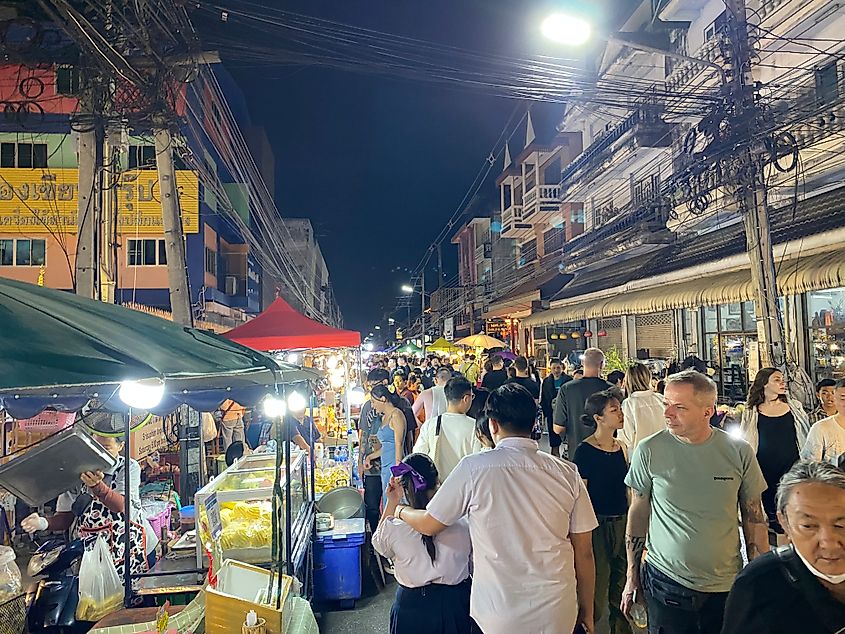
(280,327)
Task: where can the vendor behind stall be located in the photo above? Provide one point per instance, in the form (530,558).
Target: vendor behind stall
(97,508)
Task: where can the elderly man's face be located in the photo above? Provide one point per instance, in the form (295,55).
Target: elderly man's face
(815,523)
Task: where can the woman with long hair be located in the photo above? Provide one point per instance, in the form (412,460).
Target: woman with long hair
(602,464)
(391,433)
(432,572)
(776,426)
(643,408)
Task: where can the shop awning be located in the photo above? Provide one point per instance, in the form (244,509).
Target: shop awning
(280,327)
(795,276)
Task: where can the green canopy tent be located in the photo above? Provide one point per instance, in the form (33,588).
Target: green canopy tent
(61,350)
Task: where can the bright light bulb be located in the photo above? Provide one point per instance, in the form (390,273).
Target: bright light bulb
(331,362)
(735,431)
(297,402)
(566,29)
(274,407)
(337,381)
(368,347)
(293,358)
(357,396)
(143,394)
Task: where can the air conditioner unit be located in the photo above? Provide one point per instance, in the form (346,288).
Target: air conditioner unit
(231,285)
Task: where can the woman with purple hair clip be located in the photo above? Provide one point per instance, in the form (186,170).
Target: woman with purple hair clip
(432,574)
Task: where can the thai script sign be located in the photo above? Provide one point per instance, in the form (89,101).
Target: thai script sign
(36,201)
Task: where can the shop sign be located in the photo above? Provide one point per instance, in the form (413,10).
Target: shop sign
(37,201)
(449,328)
(498,328)
(149,438)
(212,511)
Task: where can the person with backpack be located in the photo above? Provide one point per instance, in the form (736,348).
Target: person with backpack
(450,436)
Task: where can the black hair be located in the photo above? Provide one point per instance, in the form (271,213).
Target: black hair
(840,384)
(376,375)
(825,383)
(595,406)
(482,427)
(661,386)
(521,364)
(456,388)
(384,392)
(234,452)
(476,410)
(496,359)
(615,376)
(423,465)
(513,408)
(554,360)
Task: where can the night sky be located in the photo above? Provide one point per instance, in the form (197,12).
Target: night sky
(380,163)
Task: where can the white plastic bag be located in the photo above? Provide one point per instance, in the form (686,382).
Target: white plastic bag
(100,590)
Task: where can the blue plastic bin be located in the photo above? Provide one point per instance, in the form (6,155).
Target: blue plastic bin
(337,562)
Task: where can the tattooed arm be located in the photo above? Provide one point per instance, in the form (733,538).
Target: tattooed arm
(755,527)
(635,536)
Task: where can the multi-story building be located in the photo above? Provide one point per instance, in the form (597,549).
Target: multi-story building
(661,271)
(319,300)
(39,196)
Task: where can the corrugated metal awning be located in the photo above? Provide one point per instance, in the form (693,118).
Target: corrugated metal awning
(795,276)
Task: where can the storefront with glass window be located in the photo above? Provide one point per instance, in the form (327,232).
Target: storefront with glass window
(825,323)
(730,347)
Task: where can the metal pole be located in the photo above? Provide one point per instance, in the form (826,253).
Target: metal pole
(174,242)
(127,537)
(422,312)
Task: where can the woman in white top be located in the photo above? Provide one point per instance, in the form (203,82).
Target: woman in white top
(432,572)
(643,408)
(826,440)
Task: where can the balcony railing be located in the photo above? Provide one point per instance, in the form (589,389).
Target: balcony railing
(638,117)
(511,215)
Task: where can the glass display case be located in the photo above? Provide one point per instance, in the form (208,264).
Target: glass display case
(242,496)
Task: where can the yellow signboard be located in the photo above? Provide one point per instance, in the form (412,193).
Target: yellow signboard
(45,201)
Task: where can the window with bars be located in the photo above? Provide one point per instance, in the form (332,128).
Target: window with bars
(210,261)
(146,252)
(67,80)
(528,252)
(22,252)
(142,157)
(554,239)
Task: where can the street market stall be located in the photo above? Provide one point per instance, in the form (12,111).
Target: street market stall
(336,353)
(67,353)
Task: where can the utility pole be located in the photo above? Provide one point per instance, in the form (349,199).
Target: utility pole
(174,242)
(750,190)
(108,238)
(88,209)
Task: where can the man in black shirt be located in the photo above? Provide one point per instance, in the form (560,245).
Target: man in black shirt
(522,377)
(569,405)
(496,377)
(799,587)
(548,393)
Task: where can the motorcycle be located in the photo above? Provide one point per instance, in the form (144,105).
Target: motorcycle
(52,601)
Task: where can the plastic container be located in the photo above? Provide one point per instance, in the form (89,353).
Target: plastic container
(161,520)
(47,421)
(337,563)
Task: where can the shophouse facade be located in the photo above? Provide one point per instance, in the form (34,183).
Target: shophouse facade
(657,282)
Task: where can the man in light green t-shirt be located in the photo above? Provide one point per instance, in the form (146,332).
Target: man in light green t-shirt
(687,483)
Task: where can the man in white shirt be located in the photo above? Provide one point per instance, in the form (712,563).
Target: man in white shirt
(530,521)
(450,436)
(433,400)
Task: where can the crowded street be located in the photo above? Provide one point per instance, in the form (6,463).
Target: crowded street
(443,317)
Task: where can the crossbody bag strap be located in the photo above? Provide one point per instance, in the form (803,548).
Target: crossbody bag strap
(439,424)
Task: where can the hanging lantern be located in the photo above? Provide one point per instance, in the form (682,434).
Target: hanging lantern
(588,333)
(564,336)
(553,335)
(602,333)
(576,335)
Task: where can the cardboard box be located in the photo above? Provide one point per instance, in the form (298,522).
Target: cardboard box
(239,585)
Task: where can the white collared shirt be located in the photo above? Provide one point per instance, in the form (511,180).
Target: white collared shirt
(396,540)
(522,505)
(457,439)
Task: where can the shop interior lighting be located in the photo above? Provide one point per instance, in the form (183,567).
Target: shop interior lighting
(274,407)
(331,362)
(144,394)
(293,358)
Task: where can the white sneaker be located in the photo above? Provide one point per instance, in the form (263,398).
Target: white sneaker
(388,567)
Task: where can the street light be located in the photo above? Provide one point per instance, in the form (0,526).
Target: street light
(566,29)
(574,31)
(407,288)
